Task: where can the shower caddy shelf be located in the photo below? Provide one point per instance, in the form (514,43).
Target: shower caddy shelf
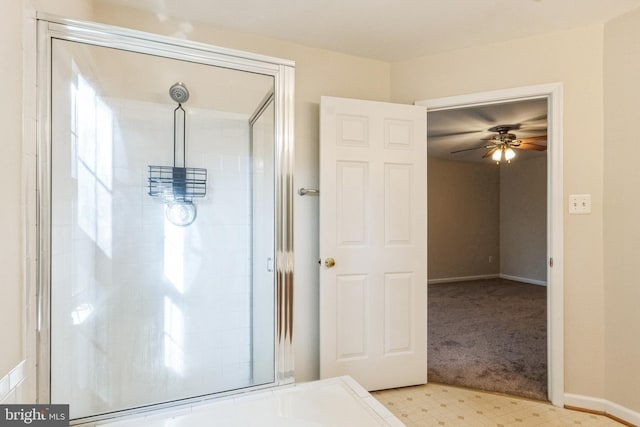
(173,183)
(177,186)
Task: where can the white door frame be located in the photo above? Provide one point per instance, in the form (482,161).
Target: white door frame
(553,92)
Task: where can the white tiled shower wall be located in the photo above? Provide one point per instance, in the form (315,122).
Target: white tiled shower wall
(13,386)
(138,297)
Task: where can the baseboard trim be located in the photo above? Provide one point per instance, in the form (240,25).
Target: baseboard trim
(462,279)
(523,279)
(602,406)
(487,276)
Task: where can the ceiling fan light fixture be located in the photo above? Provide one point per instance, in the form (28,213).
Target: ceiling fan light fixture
(497,155)
(509,154)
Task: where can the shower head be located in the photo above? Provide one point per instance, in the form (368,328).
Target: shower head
(179,93)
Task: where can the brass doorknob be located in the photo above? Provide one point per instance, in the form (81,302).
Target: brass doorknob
(329,262)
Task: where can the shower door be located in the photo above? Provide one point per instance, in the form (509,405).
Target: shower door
(145,310)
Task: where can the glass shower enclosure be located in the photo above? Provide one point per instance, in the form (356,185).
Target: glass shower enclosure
(165,242)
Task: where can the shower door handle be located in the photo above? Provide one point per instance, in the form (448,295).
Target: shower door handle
(329,262)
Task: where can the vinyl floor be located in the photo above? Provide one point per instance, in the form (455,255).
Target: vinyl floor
(443,405)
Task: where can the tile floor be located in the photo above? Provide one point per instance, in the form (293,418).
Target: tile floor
(440,405)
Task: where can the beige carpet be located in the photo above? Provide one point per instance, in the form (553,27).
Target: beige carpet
(489,335)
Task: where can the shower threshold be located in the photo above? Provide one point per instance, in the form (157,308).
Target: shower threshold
(334,402)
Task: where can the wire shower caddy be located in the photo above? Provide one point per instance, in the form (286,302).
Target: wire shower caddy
(179,184)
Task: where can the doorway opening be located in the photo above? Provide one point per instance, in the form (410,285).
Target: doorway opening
(487,223)
(498,232)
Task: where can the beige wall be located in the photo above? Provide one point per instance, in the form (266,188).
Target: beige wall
(523,219)
(464,218)
(76,9)
(477,210)
(575,59)
(622,209)
(10,171)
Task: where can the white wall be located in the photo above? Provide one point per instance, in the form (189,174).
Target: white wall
(575,59)
(162,303)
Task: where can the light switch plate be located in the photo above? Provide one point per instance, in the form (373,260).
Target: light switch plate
(580,204)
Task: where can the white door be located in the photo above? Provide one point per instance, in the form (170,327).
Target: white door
(373,224)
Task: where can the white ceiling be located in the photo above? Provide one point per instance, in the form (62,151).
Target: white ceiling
(390,30)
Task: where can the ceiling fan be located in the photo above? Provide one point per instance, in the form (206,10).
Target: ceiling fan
(500,146)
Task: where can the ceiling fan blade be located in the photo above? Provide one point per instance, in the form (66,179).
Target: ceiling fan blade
(490,152)
(528,146)
(468,149)
(540,118)
(533,139)
(504,128)
(444,135)
(542,127)
(480,115)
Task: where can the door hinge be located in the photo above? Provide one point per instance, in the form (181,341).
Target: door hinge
(550,262)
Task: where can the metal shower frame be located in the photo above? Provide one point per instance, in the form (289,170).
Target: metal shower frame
(283,71)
